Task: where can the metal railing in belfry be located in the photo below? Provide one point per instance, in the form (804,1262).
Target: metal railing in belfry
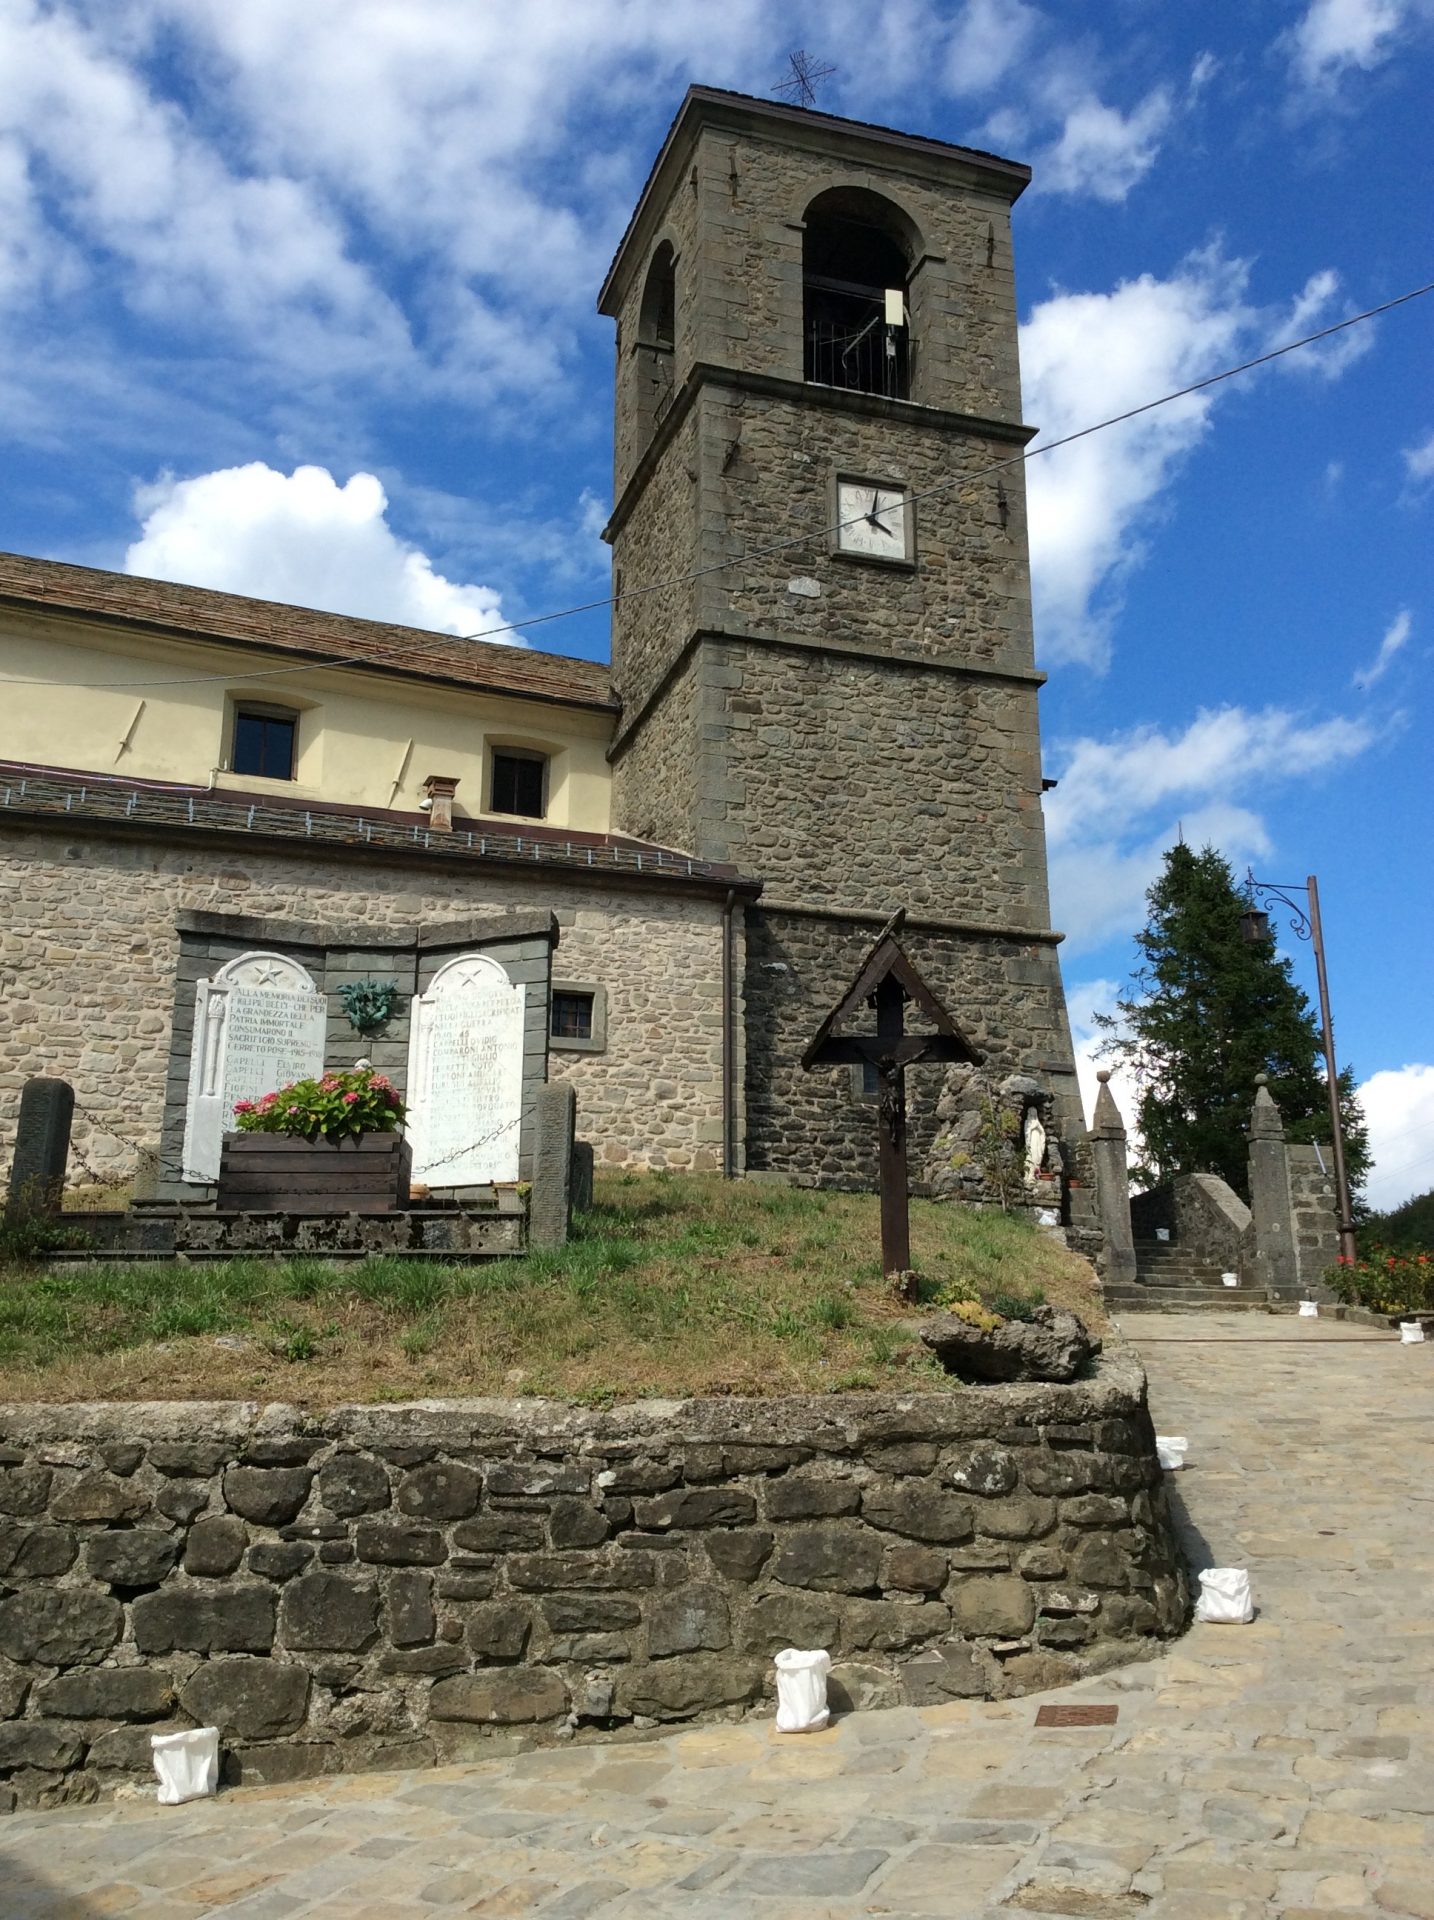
(850,344)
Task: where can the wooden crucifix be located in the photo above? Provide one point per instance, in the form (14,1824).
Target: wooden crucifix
(889,982)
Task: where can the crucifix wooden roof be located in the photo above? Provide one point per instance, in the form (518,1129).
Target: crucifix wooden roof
(887,968)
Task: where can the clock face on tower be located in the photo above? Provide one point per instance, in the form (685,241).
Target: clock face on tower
(874,521)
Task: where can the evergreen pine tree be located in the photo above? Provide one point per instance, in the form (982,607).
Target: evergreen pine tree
(1209,1010)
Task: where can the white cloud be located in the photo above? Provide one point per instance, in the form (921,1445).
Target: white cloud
(1123,801)
(1312,308)
(1103,152)
(301,538)
(986,41)
(1395,635)
(1336,36)
(1084,357)
(1399,1106)
(1090,356)
(1419,460)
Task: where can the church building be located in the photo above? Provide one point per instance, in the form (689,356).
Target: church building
(821,707)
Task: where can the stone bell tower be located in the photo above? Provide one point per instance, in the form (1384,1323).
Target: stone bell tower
(822,636)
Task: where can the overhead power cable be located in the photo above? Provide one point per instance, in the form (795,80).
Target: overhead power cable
(321,661)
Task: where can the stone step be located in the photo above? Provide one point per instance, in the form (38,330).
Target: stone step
(1139,1299)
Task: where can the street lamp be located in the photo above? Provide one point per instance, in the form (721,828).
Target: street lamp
(1255,927)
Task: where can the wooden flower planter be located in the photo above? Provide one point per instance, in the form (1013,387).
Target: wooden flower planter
(276,1173)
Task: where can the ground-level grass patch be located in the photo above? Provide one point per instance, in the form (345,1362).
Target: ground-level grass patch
(671,1286)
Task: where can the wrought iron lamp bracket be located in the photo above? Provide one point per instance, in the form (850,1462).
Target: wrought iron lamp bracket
(1265,890)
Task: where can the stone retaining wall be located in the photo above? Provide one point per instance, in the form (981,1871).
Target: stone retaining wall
(387,1586)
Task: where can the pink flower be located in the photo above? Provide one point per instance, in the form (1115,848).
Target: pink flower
(243,1106)
(349,1099)
(268,1101)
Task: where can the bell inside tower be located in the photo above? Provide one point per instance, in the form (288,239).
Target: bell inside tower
(857,252)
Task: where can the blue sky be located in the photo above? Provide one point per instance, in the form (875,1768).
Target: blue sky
(299,302)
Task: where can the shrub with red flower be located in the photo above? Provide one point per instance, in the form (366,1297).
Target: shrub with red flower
(1385,1282)
(339,1106)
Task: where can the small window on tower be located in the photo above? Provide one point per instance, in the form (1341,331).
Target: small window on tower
(520,783)
(572,1016)
(264,739)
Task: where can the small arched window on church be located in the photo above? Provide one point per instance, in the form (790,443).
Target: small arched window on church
(657,337)
(857,253)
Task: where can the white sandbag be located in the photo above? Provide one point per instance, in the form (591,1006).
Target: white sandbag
(1230,1279)
(1411,1332)
(1309,1310)
(1225,1598)
(187,1764)
(802,1690)
(1162,1233)
(1170,1450)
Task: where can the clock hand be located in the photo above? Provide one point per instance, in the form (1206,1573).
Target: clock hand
(873,517)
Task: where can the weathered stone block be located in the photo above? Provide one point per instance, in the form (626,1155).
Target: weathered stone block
(443,1490)
(551,1572)
(890,1625)
(109,1693)
(536,1479)
(697,1507)
(1044,1561)
(949,1672)
(409,1609)
(688,1621)
(122,1456)
(992,1605)
(204,1620)
(1102,1560)
(353,1483)
(498,1632)
(575,1523)
(917,1508)
(1018,1518)
(914,1569)
(589,1613)
(59,1626)
(32,1743)
(807,1497)
(279,1559)
(423,1660)
(477,1583)
(100,1496)
(638,1476)
(188,1459)
(24,1490)
(1095,1510)
(983,1469)
(280,1450)
(605,1647)
(215,1546)
(739,1555)
(133,1557)
(510,1696)
(691,1683)
(35,1553)
(500,1533)
(838,1559)
(790,1619)
(325,1611)
(269,1496)
(182,1500)
(248,1699)
(393,1543)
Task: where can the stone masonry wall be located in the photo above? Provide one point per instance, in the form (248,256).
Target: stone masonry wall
(387,1586)
(1005,995)
(1314,1216)
(88,953)
(870,785)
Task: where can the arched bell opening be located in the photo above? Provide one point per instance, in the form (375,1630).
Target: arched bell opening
(857,255)
(657,338)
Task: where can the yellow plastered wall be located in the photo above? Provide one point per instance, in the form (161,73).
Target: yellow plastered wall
(364,739)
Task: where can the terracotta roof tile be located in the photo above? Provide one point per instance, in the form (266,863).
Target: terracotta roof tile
(198,613)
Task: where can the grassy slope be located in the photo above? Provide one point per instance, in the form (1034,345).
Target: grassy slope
(672,1285)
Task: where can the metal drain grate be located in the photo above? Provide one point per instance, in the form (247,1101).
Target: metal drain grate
(1076,1716)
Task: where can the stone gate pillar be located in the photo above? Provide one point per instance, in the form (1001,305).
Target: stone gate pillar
(42,1148)
(1112,1181)
(1275,1263)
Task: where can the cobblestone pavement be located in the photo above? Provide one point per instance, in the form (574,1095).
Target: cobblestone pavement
(1280,1769)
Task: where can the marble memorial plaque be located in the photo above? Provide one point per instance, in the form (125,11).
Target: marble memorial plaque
(258,1024)
(465,1075)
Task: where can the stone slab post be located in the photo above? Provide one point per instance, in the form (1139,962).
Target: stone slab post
(550,1204)
(582,1176)
(1270,1212)
(42,1148)
(1112,1182)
